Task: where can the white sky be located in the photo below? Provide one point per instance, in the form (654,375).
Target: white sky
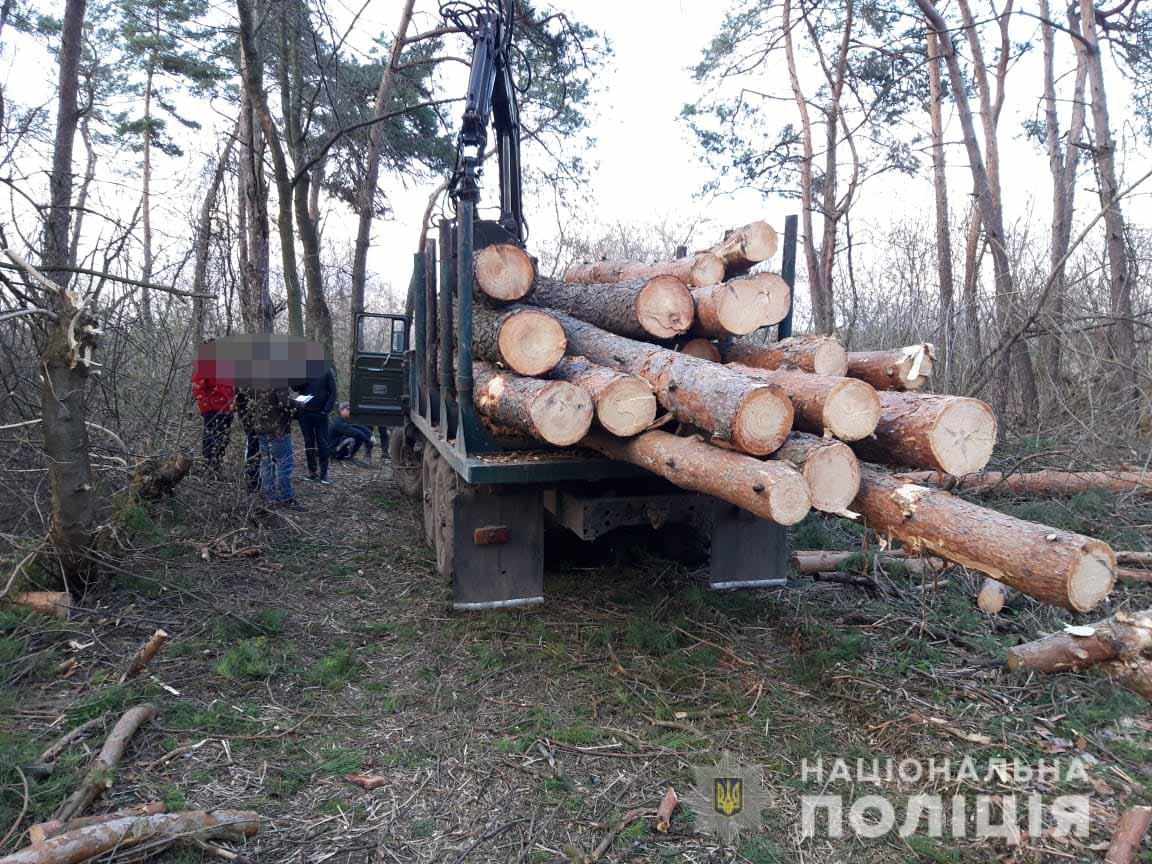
(647,166)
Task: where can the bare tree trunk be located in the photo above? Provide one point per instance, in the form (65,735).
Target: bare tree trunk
(82,195)
(146,199)
(255,301)
(366,205)
(63,381)
(204,235)
(940,180)
(1122,335)
(970,297)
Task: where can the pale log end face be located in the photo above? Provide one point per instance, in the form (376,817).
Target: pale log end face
(532,342)
(705,349)
(852,410)
(788,497)
(776,297)
(964,436)
(743,305)
(830,359)
(763,421)
(760,240)
(562,413)
(707,269)
(1092,577)
(627,406)
(504,272)
(664,307)
(833,475)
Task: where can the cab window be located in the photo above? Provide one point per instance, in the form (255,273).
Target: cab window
(381,335)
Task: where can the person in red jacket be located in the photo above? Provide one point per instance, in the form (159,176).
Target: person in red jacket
(214,398)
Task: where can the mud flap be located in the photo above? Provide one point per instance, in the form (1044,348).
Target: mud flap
(498,537)
(747,551)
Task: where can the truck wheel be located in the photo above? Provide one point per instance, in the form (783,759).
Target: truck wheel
(406,463)
(447,488)
(428,465)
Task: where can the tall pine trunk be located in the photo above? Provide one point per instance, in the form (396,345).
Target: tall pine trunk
(940,185)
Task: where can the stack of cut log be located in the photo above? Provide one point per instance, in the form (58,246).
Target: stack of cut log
(775,428)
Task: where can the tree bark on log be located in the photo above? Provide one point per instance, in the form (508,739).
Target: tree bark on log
(1047,482)
(1125,636)
(1129,834)
(57,604)
(845,407)
(701,269)
(1135,559)
(750,414)
(746,246)
(99,775)
(41,831)
(904,369)
(93,841)
(553,411)
(828,467)
(952,434)
(770,490)
(659,307)
(1134,575)
(705,349)
(821,561)
(738,307)
(821,355)
(504,272)
(145,655)
(528,341)
(625,404)
(1054,566)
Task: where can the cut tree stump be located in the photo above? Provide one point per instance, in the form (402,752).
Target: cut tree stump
(155,478)
(103,768)
(744,247)
(953,434)
(625,404)
(528,341)
(705,349)
(1129,834)
(1047,482)
(844,407)
(556,412)
(704,268)
(828,467)
(738,307)
(659,307)
(1054,566)
(771,490)
(156,830)
(503,272)
(821,355)
(903,369)
(750,414)
(144,656)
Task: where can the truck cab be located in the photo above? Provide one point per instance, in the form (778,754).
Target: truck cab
(377,394)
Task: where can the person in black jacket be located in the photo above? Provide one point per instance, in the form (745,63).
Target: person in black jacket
(312,412)
(346,438)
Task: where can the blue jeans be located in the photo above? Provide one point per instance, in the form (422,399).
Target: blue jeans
(276,467)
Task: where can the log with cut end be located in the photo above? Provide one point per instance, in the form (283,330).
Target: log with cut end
(705,349)
(91,842)
(743,247)
(553,411)
(625,404)
(1047,482)
(57,604)
(704,268)
(822,561)
(1125,636)
(41,831)
(1129,834)
(503,272)
(821,355)
(829,467)
(528,341)
(771,490)
(752,415)
(103,768)
(1054,566)
(738,307)
(903,369)
(953,434)
(659,307)
(844,407)
(991,597)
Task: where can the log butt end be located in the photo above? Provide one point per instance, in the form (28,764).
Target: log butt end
(1092,576)
(789,500)
(562,413)
(963,436)
(852,410)
(504,272)
(762,421)
(705,349)
(707,269)
(532,342)
(774,298)
(833,476)
(760,241)
(664,307)
(830,358)
(627,406)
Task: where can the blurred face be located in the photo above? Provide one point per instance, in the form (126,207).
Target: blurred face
(345,413)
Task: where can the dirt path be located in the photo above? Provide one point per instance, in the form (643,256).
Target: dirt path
(528,736)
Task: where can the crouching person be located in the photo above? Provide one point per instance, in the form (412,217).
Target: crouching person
(346,439)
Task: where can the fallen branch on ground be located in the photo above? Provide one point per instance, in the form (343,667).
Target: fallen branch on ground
(100,773)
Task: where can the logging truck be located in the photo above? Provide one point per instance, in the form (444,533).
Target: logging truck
(487,490)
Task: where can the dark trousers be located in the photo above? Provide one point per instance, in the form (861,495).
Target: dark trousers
(252,461)
(347,443)
(314,426)
(217,425)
